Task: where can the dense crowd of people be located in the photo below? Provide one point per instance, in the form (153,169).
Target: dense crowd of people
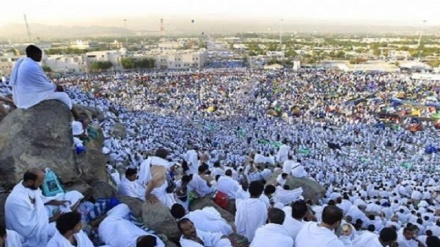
(241,135)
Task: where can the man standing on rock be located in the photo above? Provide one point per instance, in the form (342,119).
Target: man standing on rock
(157,185)
(30,84)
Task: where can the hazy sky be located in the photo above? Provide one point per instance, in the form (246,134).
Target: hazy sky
(62,12)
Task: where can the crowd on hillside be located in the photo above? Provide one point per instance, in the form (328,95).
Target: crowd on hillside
(239,136)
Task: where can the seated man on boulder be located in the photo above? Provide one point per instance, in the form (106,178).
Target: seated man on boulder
(69,232)
(192,237)
(130,187)
(157,185)
(30,84)
(31,214)
(116,231)
(207,219)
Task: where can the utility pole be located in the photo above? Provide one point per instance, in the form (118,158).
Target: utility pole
(281,32)
(126,32)
(27,28)
(420,38)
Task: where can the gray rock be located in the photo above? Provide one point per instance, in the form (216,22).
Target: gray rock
(91,112)
(134,204)
(312,190)
(91,165)
(3,197)
(158,217)
(40,136)
(119,130)
(82,187)
(208,202)
(102,189)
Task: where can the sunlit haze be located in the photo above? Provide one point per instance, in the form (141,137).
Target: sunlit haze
(89,12)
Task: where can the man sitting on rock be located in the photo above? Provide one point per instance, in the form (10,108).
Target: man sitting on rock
(116,231)
(30,84)
(157,185)
(207,219)
(25,210)
(130,187)
(192,237)
(69,232)
(200,183)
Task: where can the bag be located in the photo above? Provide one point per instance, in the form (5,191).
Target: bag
(171,184)
(51,185)
(221,199)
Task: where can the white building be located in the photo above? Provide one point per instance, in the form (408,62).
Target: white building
(66,63)
(7,63)
(113,56)
(83,45)
(181,59)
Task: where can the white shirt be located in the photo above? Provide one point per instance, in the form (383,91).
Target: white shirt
(228,186)
(251,214)
(131,189)
(311,234)
(272,235)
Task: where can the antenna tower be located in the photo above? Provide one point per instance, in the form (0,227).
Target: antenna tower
(27,28)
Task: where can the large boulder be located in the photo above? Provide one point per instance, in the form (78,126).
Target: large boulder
(102,189)
(158,217)
(134,204)
(91,165)
(119,130)
(312,190)
(3,197)
(82,187)
(40,136)
(91,112)
(208,202)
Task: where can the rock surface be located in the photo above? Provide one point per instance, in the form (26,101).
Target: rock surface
(134,204)
(312,190)
(91,165)
(40,136)
(102,189)
(119,130)
(158,217)
(3,197)
(208,202)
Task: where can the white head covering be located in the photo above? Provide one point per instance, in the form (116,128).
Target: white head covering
(77,128)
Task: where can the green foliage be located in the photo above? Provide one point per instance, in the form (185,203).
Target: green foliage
(47,69)
(101,65)
(433,63)
(133,63)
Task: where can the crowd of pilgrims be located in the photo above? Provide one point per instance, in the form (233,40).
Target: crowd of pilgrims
(245,133)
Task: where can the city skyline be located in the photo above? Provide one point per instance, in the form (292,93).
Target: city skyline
(112,13)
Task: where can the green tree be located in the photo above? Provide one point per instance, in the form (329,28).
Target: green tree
(47,69)
(127,63)
(101,65)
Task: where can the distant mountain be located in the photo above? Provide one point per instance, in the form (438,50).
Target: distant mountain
(17,31)
(208,25)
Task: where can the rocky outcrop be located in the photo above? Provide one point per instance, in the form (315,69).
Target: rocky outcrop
(91,165)
(119,130)
(134,204)
(208,202)
(82,187)
(3,197)
(158,217)
(91,112)
(311,189)
(40,136)
(102,189)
